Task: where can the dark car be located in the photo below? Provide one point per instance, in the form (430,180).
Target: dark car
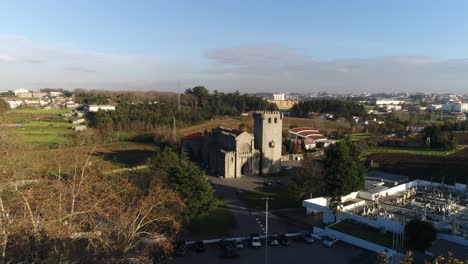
(223,244)
(230,253)
(273,241)
(307,238)
(200,246)
(283,240)
(182,249)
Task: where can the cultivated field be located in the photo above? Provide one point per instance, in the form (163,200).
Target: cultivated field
(43,128)
(451,167)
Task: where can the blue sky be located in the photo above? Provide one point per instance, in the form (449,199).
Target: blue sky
(337,46)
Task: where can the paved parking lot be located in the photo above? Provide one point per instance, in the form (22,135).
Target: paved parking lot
(297,252)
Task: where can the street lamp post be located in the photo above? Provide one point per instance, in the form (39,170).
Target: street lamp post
(266,228)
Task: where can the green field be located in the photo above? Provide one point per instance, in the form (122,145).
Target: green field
(363,232)
(42,128)
(283,197)
(359,136)
(41,111)
(430,152)
(219,222)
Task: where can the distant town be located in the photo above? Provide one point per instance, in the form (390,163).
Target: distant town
(376,178)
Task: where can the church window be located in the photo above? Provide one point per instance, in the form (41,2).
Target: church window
(276,120)
(269,120)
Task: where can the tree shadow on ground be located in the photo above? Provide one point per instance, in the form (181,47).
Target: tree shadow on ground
(127,158)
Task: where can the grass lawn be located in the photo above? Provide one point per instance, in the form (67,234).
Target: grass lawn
(359,136)
(364,232)
(47,124)
(127,154)
(283,197)
(431,152)
(41,111)
(42,128)
(219,222)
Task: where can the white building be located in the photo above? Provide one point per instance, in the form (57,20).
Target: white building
(389,102)
(435,107)
(79,128)
(55,94)
(460,107)
(14,104)
(391,108)
(279,97)
(389,204)
(21,90)
(71,105)
(95,108)
(457,107)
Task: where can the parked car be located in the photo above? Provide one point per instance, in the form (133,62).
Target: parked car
(239,244)
(267,183)
(330,242)
(273,241)
(255,240)
(230,253)
(316,237)
(200,246)
(182,249)
(307,238)
(283,240)
(223,244)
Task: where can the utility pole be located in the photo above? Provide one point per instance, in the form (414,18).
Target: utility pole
(266,227)
(174,132)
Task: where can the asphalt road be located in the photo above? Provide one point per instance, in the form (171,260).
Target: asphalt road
(250,221)
(297,252)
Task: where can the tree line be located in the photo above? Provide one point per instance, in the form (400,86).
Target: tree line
(196,105)
(341,108)
(458,126)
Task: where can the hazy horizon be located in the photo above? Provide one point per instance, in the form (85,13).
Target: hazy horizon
(298,46)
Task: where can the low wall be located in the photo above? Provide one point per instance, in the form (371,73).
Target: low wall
(390,225)
(358,218)
(354,205)
(360,242)
(453,239)
(290,157)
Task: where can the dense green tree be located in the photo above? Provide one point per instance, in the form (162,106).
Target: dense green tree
(91,98)
(67,93)
(439,140)
(186,178)
(343,171)
(7,94)
(309,180)
(200,92)
(419,234)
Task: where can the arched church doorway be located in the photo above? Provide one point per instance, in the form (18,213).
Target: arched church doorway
(245,169)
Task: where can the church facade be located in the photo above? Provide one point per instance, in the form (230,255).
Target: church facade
(231,153)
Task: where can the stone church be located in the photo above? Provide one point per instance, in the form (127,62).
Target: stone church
(232,153)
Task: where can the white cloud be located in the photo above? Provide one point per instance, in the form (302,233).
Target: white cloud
(7,59)
(25,63)
(276,68)
(38,65)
